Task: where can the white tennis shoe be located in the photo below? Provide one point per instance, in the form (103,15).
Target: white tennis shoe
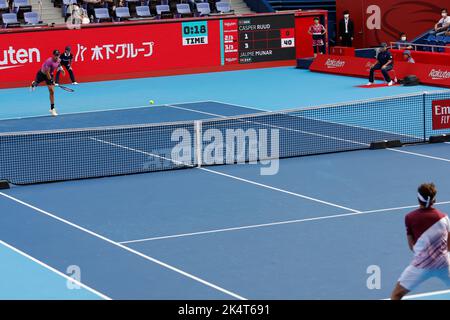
(53,112)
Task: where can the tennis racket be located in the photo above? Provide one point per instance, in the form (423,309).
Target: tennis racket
(66,88)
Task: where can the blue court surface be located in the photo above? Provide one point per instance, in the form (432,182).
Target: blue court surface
(312,231)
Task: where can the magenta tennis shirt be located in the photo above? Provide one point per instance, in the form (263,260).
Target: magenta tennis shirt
(50,65)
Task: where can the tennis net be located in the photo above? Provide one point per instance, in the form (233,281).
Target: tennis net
(69,154)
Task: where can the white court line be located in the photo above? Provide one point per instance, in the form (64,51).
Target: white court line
(103,110)
(72,280)
(230,176)
(419,155)
(426,294)
(146,257)
(280,190)
(271,224)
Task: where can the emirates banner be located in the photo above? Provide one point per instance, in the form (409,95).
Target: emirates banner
(441,114)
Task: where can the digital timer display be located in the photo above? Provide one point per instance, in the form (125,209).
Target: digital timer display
(194,33)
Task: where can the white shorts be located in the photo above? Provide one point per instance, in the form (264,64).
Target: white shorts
(413,276)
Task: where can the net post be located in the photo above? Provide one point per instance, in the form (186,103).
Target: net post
(4,184)
(198,142)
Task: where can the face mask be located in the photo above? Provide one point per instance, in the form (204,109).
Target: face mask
(346,16)
(403,38)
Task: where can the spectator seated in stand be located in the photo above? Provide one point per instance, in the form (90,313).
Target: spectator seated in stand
(408,57)
(78,15)
(67,7)
(403,44)
(441,27)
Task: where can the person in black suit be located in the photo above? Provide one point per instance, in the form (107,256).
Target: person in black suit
(346,30)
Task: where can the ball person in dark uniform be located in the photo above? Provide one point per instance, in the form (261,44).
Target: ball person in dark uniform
(66,62)
(346,30)
(45,74)
(385,63)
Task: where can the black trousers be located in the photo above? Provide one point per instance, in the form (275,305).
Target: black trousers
(42,77)
(346,40)
(69,69)
(384,71)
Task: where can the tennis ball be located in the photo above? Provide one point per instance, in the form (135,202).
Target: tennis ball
(152,102)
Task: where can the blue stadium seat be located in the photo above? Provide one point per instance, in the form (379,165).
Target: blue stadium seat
(184,10)
(21,3)
(203,8)
(223,7)
(431,38)
(32,18)
(3,4)
(143,11)
(440,38)
(122,13)
(163,11)
(102,14)
(10,20)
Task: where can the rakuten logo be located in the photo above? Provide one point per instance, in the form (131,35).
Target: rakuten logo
(12,58)
(439,74)
(230,24)
(333,64)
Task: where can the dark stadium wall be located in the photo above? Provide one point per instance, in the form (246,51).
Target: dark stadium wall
(383,20)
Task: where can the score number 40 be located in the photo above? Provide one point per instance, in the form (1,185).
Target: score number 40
(288,43)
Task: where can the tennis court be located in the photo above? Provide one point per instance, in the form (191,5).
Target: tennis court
(311,231)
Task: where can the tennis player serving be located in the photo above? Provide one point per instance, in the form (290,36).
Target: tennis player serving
(428,235)
(45,74)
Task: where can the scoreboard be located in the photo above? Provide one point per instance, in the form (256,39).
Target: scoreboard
(259,39)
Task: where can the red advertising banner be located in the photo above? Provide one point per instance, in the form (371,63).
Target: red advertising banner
(137,49)
(379,21)
(351,66)
(112,50)
(344,65)
(441,114)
